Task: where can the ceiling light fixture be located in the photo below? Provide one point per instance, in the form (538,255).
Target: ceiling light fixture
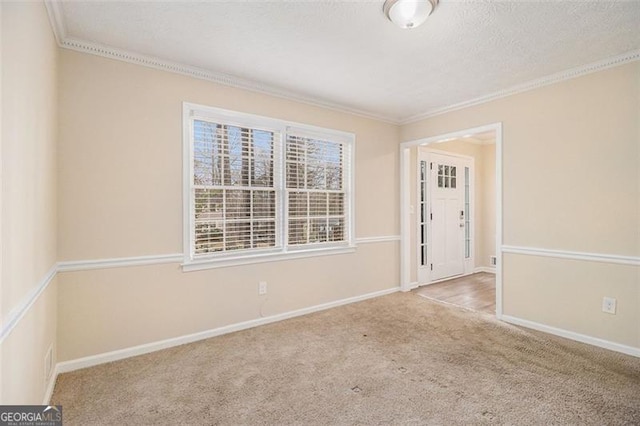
(408,13)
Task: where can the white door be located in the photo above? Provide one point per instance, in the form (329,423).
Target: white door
(447,217)
(444,222)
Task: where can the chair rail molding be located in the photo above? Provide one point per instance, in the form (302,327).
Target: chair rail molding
(29,300)
(573,255)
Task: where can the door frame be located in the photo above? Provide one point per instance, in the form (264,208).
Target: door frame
(405,199)
(468,263)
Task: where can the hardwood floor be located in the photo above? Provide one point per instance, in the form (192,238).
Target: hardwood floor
(476,291)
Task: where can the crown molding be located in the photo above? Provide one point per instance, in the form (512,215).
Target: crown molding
(219,78)
(56,17)
(54,9)
(604,64)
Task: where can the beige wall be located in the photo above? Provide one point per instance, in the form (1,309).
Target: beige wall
(29,133)
(488,220)
(571,182)
(120,194)
(113,189)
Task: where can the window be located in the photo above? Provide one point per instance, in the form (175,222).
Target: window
(467,214)
(446,176)
(315,190)
(423,213)
(260,189)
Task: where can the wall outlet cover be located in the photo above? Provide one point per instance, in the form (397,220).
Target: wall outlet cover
(609,305)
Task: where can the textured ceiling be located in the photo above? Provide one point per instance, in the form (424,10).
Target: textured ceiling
(348,54)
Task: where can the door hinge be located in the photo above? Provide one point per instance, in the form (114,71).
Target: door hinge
(431,216)
(430,166)
(432,266)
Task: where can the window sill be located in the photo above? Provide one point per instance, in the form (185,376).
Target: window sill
(200,264)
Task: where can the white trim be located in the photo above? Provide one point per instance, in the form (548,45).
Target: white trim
(405,219)
(583,338)
(59,29)
(21,310)
(499,219)
(381,239)
(187,171)
(119,262)
(486,269)
(573,255)
(48,393)
(57,21)
(251,259)
(92,360)
(580,71)
(215,77)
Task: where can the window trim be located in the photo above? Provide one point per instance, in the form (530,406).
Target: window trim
(192,111)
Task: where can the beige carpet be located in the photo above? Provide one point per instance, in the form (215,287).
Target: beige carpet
(399,359)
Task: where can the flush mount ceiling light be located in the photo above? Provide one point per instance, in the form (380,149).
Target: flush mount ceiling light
(408,13)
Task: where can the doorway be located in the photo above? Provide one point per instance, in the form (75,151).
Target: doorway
(439,218)
(445,200)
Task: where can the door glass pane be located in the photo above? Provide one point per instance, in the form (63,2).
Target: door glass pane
(467,214)
(423,213)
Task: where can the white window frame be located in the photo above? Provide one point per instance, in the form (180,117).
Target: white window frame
(191,111)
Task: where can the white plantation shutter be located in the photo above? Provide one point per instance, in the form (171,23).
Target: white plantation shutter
(316,188)
(259,187)
(233,188)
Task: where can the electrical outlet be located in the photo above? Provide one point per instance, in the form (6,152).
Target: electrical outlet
(609,305)
(262,287)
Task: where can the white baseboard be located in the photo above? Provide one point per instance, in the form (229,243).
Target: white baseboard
(66,366)
(490,270)
(50,386)
(583,338)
